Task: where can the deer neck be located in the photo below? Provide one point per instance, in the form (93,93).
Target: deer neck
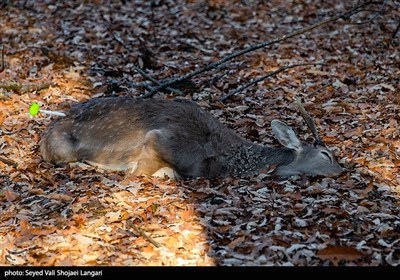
(249,159)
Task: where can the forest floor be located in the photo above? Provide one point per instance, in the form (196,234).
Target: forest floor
(59,52)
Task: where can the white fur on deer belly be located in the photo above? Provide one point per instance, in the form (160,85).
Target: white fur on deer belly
(114,167)
(132,167)
(165,171)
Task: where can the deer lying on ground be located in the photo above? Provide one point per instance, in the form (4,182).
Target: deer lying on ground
(149,136)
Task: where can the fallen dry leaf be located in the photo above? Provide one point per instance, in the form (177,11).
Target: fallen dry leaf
(335,254)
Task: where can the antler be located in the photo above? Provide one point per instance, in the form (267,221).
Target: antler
(310,123)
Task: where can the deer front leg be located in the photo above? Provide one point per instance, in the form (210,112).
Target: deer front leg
(150,160)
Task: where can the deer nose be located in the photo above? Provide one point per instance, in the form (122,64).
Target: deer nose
(340,170)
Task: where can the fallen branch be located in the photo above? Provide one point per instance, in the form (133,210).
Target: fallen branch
(2,67)
(140,84)
(375,15)
(144,74)
(395,33)
(23,88)
(22,251)
(143,234)
(55,209)
(319,89)
(255,47)
(9,162)
(58,59)
(141,72)
(260,79)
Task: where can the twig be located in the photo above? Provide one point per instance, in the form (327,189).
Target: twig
(143,234)
(375,15)
(56,58)
(118,38)
(139,84)
(22,251)
(395,33)
(55,209)
(260,79)
(216,78)
(153,22)
(255,47)
(2,67)
(9,162)
(23,88)
(194,46)
(319,89)
(145,85)
(144,74)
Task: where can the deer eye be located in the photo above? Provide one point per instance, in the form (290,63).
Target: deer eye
(327,155)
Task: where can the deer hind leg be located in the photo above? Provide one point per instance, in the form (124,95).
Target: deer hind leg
(58,147)
(150,161)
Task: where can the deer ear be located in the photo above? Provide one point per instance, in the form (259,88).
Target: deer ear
(286,135)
